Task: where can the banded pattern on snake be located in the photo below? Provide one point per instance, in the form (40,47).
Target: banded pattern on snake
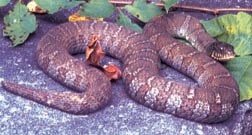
(214,100)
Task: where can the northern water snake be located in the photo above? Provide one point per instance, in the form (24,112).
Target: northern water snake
(214,100)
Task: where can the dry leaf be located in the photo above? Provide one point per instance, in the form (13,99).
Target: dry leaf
(89,51)
(33,7)
(94,53)
(77,17)
(97,55)
(93,39)
(112,72)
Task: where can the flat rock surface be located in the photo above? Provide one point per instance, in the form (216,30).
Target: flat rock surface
(121,117)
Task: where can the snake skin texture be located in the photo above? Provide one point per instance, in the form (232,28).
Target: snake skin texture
(214,99)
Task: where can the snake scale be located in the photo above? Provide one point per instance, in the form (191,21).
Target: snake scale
(213,100)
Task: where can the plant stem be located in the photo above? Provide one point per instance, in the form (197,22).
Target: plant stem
(214,11)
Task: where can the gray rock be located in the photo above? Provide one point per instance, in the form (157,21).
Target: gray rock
(121,116)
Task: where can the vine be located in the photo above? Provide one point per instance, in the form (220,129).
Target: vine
(204,9)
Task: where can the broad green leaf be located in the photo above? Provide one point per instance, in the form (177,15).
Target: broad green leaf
(241,68)
(4,2)
(19,23)
(97,9)
(233,29)
(143,10)
(53,6)
(125,21)
(168,4)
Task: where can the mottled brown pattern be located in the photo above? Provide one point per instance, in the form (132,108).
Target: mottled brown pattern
(214,100)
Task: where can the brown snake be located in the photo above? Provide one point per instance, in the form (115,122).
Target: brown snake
(214,99)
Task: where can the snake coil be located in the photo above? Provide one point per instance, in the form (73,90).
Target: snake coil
(214,100)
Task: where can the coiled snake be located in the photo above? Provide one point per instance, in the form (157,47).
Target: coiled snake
(214,99)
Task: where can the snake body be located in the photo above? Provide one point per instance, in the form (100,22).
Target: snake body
(214,99)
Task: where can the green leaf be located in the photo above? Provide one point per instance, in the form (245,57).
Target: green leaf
(19,23)
(4,2)
(125,21)
(143,10)
(97,9)
(241,69)
(169,3)
(233,29)
(53,6)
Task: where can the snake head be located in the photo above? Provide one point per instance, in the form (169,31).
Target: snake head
(221,51)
